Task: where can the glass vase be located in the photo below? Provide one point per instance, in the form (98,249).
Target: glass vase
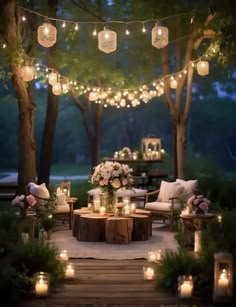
(109,200)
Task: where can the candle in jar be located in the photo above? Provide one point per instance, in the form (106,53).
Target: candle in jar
(219,217)
(126,210)
(223,283)
(186,290)
(148,273)
(41,287)
(70,271)
(152,257)
(125,200)
(132,208)
(96,204)
(102,210)
(63,255)
(159,254)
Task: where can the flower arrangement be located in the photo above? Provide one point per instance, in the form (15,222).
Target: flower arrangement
(112,176)
(199,204)
(23,203)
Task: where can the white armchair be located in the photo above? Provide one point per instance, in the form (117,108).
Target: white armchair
(170,200)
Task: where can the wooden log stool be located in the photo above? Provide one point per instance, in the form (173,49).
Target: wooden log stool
(76,217)
(141,227)
(119,230)
(92,227)
(149,215)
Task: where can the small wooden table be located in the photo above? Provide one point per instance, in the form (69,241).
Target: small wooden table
(196,222)
(71,201)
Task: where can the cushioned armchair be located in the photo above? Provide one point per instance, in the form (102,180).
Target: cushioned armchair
(171,197)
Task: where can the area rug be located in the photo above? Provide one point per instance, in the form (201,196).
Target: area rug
(161,239)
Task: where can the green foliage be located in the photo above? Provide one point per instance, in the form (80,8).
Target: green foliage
(48,223)
(175,264)
(35,256)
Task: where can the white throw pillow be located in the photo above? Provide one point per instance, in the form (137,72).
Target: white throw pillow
(189,187)
(168,190)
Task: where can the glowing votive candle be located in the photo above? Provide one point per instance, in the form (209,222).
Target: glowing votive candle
(152,257)
(126,210)
(186,290)
(158,254)
(132,208)
(89,206)
(70,271)
(41,287)
(223,283)
(63,255)
(102,210)
(219,217)
(148,273)
(125,200)
(96,204)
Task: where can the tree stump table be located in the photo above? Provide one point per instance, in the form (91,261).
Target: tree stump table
(119,230)
(92,227)
(149,215)
(76,217)
(141,227)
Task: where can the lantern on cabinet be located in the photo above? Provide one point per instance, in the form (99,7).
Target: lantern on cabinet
(66,188)
(160,36)
(41,287)
(203,68)
(185,286)
(107,41)
(28,73)
(223,278)
(47,35)
(151,148)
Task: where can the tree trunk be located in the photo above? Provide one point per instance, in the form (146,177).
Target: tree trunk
(180,144)
(26,141)
(46,150)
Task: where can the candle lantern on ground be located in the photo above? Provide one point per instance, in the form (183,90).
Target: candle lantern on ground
(152,257)
(63,256)
(223,277)
(41,284)
(70,271)
(148,273)
(185,286)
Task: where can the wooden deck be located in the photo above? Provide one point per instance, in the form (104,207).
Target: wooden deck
(108,283)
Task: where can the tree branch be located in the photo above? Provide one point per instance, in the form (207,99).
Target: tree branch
(83,7)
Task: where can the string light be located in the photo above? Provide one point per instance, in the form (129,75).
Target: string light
(76,27)
(143,28)
(63,24)
(23,18)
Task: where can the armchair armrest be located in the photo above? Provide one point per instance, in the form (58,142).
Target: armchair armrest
(150,193)
(173,199)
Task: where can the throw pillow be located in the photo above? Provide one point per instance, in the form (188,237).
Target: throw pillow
(168,190)
(189,186)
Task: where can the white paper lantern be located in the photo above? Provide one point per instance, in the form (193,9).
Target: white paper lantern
(173,83)
(203,68)
(160,36)
(107,41)
(28,73)
(47,35)
(52,78)
(56,88)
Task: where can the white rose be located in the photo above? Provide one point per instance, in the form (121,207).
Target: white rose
(116,183)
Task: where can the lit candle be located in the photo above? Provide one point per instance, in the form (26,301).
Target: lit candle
(126,210)
(70,271)
(152,257)
(102,210)
(223,283)
(96,204)
(148,273)
(186,290)
(134,156)
(158,254)
(41,287)
(132,208)
(125,200)
(219,217)
(63,255)
(89,206)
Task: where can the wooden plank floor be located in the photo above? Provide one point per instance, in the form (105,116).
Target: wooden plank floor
(108,283)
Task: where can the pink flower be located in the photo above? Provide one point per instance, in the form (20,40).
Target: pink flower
(196,201)
(203,206)
(124,181)
(31,200)
(17,200)
(191,199)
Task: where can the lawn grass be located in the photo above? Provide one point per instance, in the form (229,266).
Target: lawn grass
(70,169)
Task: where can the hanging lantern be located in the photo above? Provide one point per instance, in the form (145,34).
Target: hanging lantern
(28,73)
(52,78)
(160,36)
(56,88)
(223,278)
(203,68)
(107,41)
(47,35)
(93,96)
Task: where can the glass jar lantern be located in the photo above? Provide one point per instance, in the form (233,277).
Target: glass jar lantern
(185,286)
(66,188)
(223,277)
(41,287)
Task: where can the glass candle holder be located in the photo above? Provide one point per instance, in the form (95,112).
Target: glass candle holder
(102,210)
(63,256)
(148,273)
(41,287)
(152,256)
(185,286)
(132,208)
(70,271)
